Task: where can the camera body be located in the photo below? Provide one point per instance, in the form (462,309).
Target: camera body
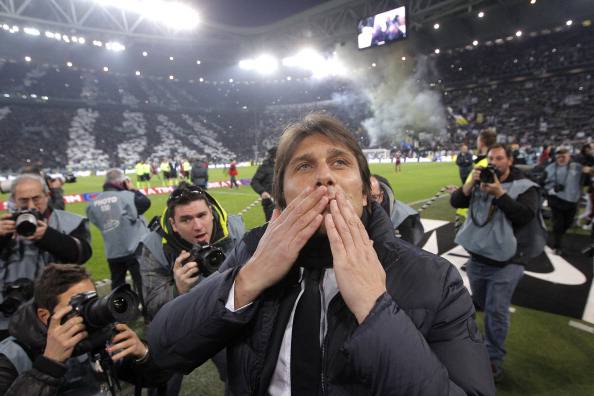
(558,187)
(26,221)
(208,257)
(15,293)
(100,314)
(488,174)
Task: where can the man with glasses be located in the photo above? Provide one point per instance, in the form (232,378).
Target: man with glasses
(58,236)
(192,217)
(405,219)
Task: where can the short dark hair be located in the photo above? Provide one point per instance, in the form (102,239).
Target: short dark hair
(315,124)
(508,151)
(187,193)
(488,137)
(55,280)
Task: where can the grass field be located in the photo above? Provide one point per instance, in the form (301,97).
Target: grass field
(545,355)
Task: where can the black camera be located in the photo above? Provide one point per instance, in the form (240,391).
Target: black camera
(15,293)
(208,257)
(99,315)
(558,188)
(26,221)
(488,174)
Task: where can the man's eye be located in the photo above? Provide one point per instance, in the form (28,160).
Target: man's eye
(303,166)
(341,162)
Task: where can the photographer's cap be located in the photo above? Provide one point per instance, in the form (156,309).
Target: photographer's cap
(562,150)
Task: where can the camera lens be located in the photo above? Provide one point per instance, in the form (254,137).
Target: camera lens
(120,304)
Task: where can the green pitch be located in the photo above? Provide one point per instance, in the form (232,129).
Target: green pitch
(545,355)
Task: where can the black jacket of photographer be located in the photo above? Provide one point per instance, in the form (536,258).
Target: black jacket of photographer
(520,212)
(420,338)
(28,372)
(66,240)
(262,179)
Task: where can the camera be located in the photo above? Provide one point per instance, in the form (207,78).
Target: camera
(488,174)
(15,293)
(208,257)
(99,315)
(26,221)
(558,188)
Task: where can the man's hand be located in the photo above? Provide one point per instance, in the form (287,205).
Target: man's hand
(185,276)
(7,225)
(62,338)
(39,232)
(360,276)
(127,343)
(278,249)
(467,187)
(495,189)
(265,195)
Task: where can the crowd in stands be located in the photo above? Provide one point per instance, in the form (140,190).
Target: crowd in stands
(530,90)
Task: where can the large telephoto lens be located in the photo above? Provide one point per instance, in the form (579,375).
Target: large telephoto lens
(121,305)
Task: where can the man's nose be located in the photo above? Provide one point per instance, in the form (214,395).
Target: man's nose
(324,176)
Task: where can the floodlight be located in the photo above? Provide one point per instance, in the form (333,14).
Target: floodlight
(174,15)
(289,78)
(475,43)
(137,72)
(74,39)
(49,34)
(31,31)
(230,80)
(144,53)
(34,96)
(171,58)
(66,39)
(82,40)
(198,62)
(201,79)
(519,33)
(97,43)
(481,14)
(44,98)
(436,26)
(115,46)
(373,64)
(6,95)
(27,59)
(404,58)
(171,77)
(105,68)
(569,22)
(5,27)
(437,51)
(58,36)
(69,64)
(532,1)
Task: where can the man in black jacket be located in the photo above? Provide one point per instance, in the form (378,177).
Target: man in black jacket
(38,357)
(503,229)
(262,183)
(59,236)
(465,162)
(324,298)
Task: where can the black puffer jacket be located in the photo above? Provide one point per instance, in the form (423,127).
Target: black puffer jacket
(262,180)
(419,338)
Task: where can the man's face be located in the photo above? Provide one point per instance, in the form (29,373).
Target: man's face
(562,158)
(193,222)
(64,298)
(319,161)
(464,149)
(29,194)
(499,159)
(377,194)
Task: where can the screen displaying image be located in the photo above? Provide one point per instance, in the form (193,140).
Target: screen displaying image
(381,29)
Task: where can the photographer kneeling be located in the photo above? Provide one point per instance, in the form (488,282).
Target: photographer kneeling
(34,236)
(187,244)
(52,336)
(504,228)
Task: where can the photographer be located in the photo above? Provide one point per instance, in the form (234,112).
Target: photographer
(41,356)
(562,181)
(32,239)
(503,229)
(262,183)
(192,218)
(117,212)
(405,219)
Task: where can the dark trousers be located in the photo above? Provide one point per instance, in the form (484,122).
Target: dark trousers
(563,213)
(118,268)
(268,207)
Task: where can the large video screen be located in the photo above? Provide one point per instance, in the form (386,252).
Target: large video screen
(381,29)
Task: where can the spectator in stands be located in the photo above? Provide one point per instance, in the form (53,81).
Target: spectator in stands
(399,319)
(464,161)
(501,233)
(39,357)
(405,219)
(199,173)
(233,173)
(262,183)
(192,217)
(118,213)
(545,155)
(563,181)
(58,236)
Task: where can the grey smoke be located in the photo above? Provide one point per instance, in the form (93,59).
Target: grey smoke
(398,100)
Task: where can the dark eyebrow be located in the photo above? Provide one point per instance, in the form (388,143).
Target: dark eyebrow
(307,157)
(334,152)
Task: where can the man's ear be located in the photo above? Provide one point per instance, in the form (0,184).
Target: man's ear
(43,315)
(172,224)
